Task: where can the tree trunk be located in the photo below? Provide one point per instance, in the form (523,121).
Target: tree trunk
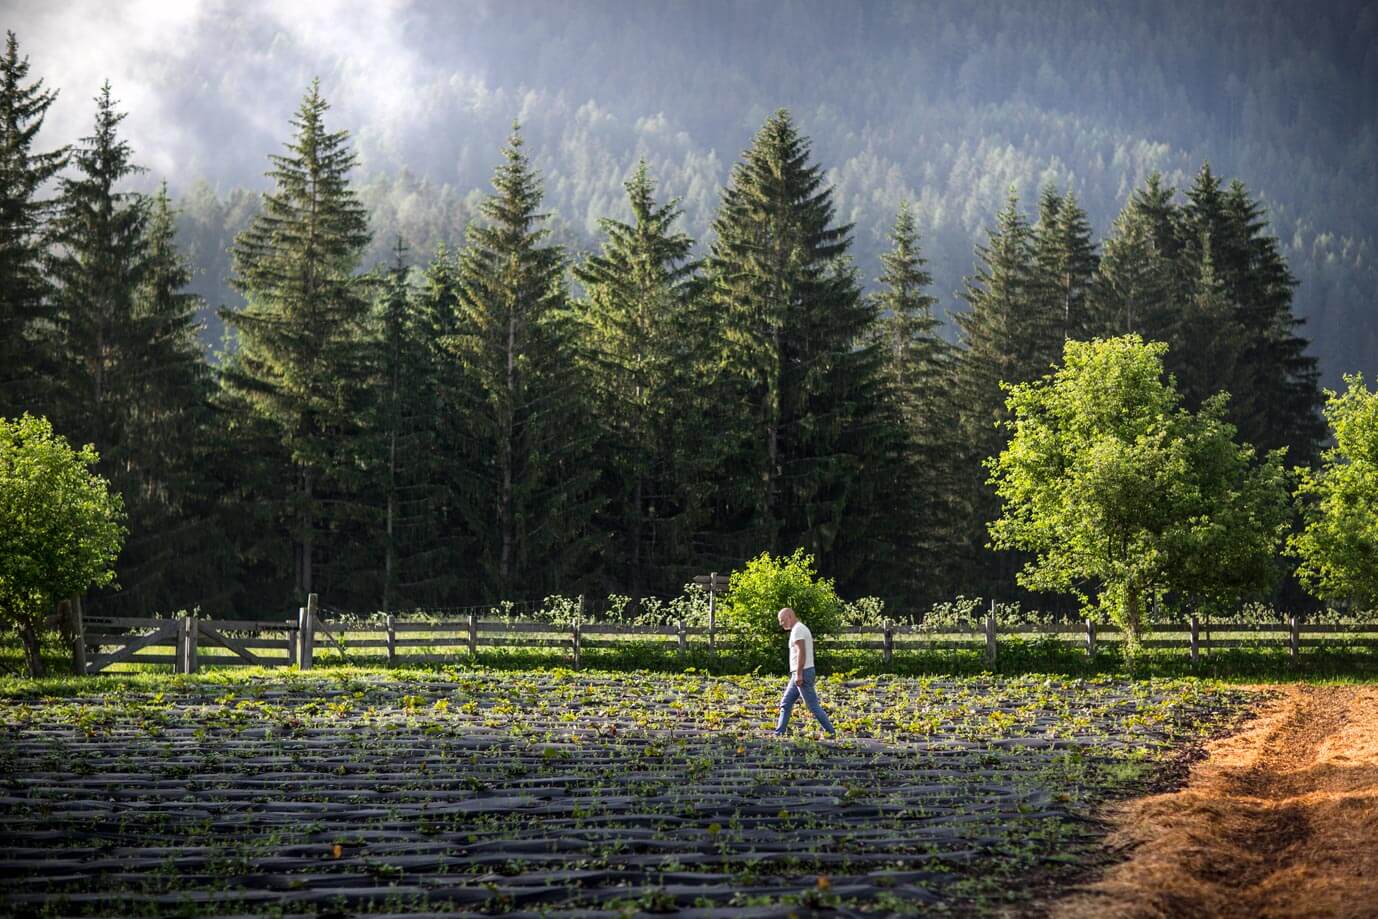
(1133,617)
(507,456)
(33,655)
(307,535)
(390,559)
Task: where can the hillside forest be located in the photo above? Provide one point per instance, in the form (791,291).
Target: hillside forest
(506,416)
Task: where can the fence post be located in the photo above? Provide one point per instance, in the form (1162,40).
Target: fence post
(392,640)
(193,644)
(889,638)
(473,633)
(1195,639)
(1293,639)
(578,617)
(308,632)
(179,648)
(1090,637)
(712,611)
(683,638)
(990,636)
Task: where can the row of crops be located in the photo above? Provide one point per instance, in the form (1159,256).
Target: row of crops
(549,791)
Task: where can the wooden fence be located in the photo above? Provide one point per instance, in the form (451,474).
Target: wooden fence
(191,643)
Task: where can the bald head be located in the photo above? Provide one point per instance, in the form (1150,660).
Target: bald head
(787,618)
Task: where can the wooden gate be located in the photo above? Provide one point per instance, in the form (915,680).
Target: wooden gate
(249,647)
(128,637)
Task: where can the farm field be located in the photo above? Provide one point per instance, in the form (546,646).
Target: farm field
(545,792)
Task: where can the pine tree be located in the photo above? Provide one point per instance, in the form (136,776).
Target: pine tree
(918,367)
(1134,288)
(531,499)
(1005,337)
(794,329)
(1207,342)
(1284,379)
(1002,338)
(302,363)
(1065,265)
(455,401)
(99,267)
(27,312)
(406,428)
(177,557)
(1274,384)
(135,381)
(642,296)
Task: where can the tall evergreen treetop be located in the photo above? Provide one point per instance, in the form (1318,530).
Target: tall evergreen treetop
(918,366)
(302,365)
(1002,337)
(27,349)
(794,323)
(99,266)
(916,358)
(517,343)
(642,315)
(1135,288)
(1065,262)
(134,380)
(1007,336)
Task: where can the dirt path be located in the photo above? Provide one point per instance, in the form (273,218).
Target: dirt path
(1278,820)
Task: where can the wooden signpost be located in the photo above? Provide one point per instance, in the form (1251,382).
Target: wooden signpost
(716,584)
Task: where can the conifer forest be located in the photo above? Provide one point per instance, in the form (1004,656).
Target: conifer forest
(572,346)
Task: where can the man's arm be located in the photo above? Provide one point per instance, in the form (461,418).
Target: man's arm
(799,674)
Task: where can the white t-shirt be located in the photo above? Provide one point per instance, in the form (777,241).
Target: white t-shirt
(800,631)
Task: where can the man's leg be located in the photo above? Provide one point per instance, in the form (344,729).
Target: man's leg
(787,705)
(810,693)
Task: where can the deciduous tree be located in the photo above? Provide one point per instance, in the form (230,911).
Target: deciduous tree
(1123,497)
(1338,545)
(61,527)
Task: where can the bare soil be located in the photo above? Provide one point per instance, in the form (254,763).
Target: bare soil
(1280,819)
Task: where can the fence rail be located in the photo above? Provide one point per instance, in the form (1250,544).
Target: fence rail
(189,644)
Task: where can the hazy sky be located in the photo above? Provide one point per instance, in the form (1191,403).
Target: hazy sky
(189,70)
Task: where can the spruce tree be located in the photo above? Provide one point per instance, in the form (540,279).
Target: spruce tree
(406,431)
(804,378)
(176,556)
(135,381)
(1283,377)
(1134,290)
(531,498)
(302,365)
(918,368)
(1207,341)
(455,401)
(1274,384)
(1065,265)
(1005,337)
(99,267)
(28,346)
(640,312)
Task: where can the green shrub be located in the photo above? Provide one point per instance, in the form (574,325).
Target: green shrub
(756,594)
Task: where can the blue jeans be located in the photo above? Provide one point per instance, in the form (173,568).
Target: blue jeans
(792,693)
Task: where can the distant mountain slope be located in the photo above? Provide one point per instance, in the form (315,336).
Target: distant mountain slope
(947,104)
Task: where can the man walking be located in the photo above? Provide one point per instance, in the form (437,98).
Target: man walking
(801,674)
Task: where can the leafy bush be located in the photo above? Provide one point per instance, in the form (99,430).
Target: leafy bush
(756,594)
